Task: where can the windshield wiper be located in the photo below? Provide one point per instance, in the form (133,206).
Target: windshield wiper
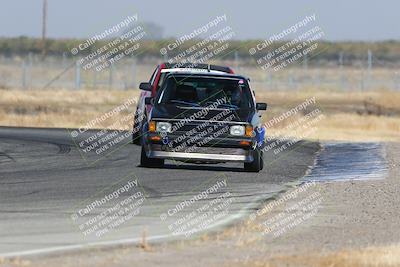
(226,105)
(185,103)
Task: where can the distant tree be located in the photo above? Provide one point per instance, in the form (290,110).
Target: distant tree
(153,31)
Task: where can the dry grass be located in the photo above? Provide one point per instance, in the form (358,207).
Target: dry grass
(385,98)
(355,116)
(368,257)
(58,108)
(370,116)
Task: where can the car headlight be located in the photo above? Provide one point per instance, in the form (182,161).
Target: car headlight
(237,130)
(163,127)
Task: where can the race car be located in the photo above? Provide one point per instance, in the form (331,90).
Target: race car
(203,117)
(150,88)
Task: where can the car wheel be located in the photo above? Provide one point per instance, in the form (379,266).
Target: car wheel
(149,162)
(136,134)
(255,165)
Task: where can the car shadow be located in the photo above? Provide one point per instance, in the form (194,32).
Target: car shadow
(200,168)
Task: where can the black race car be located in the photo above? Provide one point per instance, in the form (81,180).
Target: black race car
(203,117)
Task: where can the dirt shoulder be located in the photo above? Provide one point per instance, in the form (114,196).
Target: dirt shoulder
(348,224)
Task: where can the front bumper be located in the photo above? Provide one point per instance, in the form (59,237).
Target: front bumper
(201,154)
(213,155)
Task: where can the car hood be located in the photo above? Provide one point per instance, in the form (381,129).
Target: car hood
(166,111)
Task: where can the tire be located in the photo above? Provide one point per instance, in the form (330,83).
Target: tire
(149,162)
(136,135)
(257,164)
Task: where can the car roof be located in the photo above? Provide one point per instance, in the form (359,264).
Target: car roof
(187,70)
(209,74)
(169,65)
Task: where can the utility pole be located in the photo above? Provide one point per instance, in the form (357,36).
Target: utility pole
(44,26)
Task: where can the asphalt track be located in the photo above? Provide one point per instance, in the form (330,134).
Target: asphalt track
(45,180)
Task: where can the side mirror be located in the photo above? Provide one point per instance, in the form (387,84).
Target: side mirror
(149,101)
(261,106)
(145,86)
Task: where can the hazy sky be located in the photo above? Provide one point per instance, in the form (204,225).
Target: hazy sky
(339,19)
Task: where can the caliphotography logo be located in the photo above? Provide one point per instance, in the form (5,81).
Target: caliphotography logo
(212,133)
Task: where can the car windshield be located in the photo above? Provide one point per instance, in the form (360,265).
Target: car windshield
(205,91)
